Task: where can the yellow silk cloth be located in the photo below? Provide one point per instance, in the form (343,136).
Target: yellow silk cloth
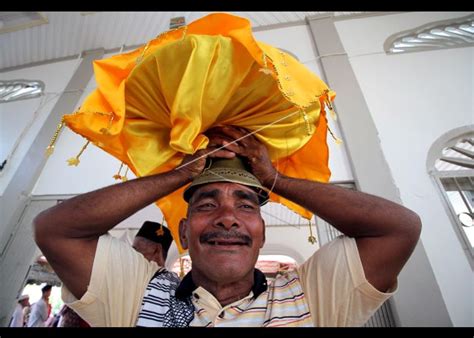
(152,105)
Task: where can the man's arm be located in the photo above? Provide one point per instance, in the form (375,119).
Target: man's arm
(68,233)
(386,233)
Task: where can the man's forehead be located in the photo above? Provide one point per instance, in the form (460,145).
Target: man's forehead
(221,187)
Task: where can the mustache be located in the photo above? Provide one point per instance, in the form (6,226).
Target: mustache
(231,234)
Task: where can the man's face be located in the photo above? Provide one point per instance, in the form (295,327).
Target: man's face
(151,250)
(224,231)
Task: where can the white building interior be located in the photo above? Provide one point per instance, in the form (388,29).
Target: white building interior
(405,107)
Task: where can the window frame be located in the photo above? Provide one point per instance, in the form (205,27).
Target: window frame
(449,139)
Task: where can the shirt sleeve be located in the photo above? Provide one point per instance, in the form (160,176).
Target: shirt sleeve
(337,292)
(119,278)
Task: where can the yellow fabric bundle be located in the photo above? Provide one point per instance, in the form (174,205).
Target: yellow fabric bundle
(153,105)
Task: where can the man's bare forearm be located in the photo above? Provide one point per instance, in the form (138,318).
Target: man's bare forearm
(93,214)
(354,213)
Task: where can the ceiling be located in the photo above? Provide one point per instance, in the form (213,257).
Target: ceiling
(32,37)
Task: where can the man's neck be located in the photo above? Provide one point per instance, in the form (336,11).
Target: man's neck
(225,293)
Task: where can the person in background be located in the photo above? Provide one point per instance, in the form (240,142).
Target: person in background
(40,310)
(153,241)
(18,318)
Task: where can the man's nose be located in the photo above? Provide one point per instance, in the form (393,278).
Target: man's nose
(226,218)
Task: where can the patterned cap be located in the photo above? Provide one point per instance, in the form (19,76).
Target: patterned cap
(227,170)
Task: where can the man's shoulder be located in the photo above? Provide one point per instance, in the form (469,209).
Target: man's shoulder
(334,247)
(285,279)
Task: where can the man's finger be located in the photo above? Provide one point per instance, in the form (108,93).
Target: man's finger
(233,132)
(222,154)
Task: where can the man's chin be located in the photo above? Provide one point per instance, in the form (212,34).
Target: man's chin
(226,272)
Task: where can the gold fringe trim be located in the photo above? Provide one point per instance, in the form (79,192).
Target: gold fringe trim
(307,122)
(159,36)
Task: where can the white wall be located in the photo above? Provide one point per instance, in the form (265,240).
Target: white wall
(23,119)
(94,171)
(414,99)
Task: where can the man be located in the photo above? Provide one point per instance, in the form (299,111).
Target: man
(40,310)
(342,284)
(18,318)
(153,241)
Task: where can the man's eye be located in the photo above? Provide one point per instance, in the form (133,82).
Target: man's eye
(247,206)
(205,206)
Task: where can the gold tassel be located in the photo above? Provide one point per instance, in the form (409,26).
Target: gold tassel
(50,149)
(117,176)
(140,58)
(74,161)
(311,238)
(336,139)
(124,177)
(265,69)
(105,131)
(332,113)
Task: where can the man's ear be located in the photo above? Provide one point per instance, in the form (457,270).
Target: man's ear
(263,238)
(182,233)
(158,254)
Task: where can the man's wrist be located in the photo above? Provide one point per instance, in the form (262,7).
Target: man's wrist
(185,175)
(270,181)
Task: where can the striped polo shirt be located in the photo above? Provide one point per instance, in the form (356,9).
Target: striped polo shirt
(171,303)
(280,303)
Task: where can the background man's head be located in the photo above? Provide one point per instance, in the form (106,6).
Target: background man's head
(46,290)
(153,241)
(24,300)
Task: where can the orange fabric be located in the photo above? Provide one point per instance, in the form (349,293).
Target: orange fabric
(153,105)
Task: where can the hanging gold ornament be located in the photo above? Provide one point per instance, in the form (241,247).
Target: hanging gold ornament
(50,148)
(74,161)
(311,238)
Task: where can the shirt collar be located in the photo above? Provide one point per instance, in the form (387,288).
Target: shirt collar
(187,286)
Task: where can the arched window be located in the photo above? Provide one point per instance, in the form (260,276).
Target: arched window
(451,164)
(452,33)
